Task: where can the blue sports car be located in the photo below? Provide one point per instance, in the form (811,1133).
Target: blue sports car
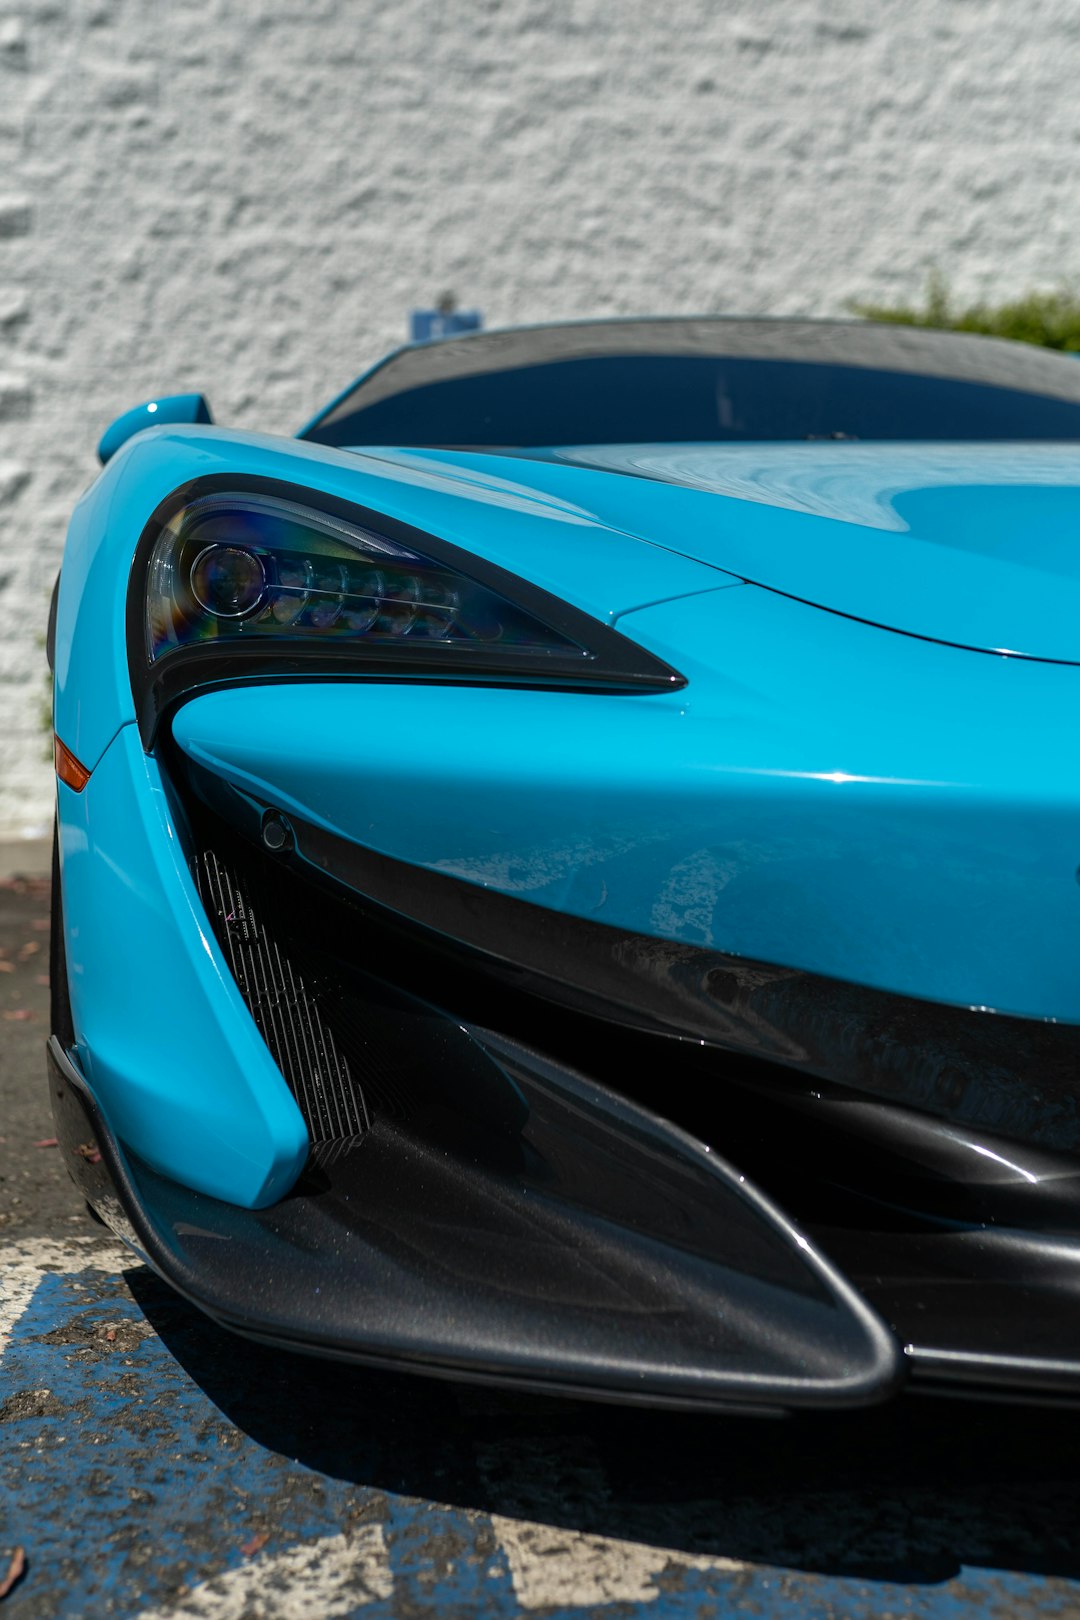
(567,869)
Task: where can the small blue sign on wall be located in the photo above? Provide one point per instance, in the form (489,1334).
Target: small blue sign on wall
(443,322)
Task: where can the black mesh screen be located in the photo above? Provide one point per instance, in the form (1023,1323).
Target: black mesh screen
(284,1005)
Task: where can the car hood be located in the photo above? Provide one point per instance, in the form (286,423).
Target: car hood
(973,545)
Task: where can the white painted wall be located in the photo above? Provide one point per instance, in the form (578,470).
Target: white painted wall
(247,197)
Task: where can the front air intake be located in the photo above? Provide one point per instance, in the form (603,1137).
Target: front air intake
(285,1008)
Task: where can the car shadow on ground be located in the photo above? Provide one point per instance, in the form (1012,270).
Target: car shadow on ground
(908,1493)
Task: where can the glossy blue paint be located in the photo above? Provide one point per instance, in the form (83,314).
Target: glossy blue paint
(970,544)
(823,795)
(166,1041)
(153,413)
(556,543)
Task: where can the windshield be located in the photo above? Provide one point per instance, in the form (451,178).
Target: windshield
(708,381)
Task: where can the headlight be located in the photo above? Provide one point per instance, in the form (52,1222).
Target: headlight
(257,581)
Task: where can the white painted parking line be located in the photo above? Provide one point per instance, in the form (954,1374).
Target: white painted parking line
(23,1260)
(328,1578)
(553,1568)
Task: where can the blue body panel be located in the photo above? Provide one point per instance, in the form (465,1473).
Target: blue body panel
(165,1039)
(970,544)
(554,542)
(822,795)
(156,412)
(210,1107)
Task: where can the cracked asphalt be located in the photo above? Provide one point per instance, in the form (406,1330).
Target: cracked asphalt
(152,1465)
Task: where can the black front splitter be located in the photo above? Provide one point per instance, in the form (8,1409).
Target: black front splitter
(566,1241)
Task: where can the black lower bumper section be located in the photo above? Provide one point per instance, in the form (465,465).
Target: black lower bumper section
(538,1230)
(982,1310)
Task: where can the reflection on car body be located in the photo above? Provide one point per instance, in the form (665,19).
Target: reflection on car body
(567,867)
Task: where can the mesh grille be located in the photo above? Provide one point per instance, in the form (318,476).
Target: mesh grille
(284,1007)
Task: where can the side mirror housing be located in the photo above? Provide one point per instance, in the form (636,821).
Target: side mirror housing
(170,408)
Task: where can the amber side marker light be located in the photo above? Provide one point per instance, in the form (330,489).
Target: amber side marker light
(68,768)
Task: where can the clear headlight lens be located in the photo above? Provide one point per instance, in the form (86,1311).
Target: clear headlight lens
(228,581)
(257,581)
(252,569)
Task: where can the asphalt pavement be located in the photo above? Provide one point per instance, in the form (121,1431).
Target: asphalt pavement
(152,1465)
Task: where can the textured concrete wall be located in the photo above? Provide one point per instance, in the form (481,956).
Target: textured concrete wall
(245,196)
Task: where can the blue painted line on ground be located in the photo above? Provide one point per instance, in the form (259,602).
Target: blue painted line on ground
(127,1483)
(128,1441)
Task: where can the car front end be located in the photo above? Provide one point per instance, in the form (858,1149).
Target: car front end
(500,939)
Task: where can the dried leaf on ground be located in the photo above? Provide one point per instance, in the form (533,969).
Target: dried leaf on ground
(15,1571)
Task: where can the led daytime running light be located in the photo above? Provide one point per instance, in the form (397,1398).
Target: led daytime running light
(257,580)
(254,568)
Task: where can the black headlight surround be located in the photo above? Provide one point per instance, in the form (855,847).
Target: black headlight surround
(615,664)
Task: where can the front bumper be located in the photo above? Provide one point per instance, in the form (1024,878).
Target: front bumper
(496,1206)
(597,1253)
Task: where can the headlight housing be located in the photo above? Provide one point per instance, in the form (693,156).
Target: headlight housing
(254,580)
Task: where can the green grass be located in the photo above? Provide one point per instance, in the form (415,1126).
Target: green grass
(1050,319)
